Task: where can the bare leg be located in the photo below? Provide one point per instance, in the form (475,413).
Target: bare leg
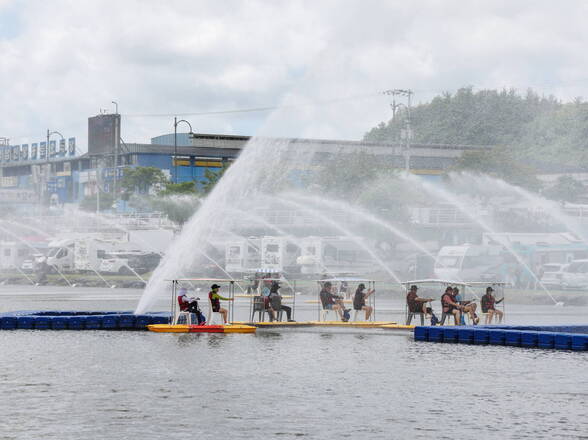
(224,314)
(470,309)
(368,312)
(457,317)
(499,315)
(489,316)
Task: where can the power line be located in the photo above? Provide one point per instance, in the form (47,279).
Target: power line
(253,109)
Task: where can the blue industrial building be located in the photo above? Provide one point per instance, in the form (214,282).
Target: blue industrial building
(69,178)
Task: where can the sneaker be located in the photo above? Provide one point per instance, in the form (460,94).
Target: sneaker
(291,320)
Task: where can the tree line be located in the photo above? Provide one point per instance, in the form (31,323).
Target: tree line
(520,135)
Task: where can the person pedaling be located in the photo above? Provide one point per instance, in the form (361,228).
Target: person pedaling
(215,304)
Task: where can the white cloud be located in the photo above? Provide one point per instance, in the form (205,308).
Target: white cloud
(70,58)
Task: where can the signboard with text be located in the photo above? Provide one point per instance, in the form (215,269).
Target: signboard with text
(38,150)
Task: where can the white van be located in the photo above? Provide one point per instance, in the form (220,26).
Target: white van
(470,262)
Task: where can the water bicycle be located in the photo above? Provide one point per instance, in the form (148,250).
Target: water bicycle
(181,321)
(468,294)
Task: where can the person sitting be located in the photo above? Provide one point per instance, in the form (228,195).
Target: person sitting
(344,289)
(359,300)
(488,303)
(415,303)
(450,305)
(275,300)
(332,302)
(190,304)
(469,307)
(215,298)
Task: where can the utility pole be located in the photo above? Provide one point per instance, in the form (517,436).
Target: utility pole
(405,133)
(116,151)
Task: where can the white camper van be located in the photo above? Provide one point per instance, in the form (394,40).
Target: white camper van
(333,255)
(469,262)
(78,254)
(242,255)
(12,254)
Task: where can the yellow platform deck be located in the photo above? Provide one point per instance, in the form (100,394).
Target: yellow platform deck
(390,325)
(183,328)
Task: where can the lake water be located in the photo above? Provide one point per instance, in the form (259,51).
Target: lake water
(289,384)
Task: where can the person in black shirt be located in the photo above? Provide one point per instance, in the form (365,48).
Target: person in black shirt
(359,300)
(275,300)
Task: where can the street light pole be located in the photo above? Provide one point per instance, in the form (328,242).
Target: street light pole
(175,160)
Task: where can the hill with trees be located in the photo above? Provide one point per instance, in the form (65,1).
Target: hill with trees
(537,131)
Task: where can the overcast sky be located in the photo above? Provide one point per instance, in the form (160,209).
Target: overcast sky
(64,60)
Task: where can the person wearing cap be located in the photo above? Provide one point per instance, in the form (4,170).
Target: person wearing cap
(330,301)
(488,303)
(415,303)
(276,305)
(215,298)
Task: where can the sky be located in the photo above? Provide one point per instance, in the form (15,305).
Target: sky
(324,64)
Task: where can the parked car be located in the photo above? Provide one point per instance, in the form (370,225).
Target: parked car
(125,262)
(553,274)
(29,265)
(575,275)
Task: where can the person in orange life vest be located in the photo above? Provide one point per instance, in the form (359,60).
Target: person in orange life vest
(488,303)
(451,306)
(215,298)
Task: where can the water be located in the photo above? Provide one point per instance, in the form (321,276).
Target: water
(316,385)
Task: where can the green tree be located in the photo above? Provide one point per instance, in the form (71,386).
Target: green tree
(178,188)
(211,178)
(178,208)
(499,162)
(140,180)
(485,117)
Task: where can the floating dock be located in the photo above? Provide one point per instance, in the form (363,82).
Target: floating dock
(159,322)
(79,320)
(561,337)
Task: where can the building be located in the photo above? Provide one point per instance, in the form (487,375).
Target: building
(59,175)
